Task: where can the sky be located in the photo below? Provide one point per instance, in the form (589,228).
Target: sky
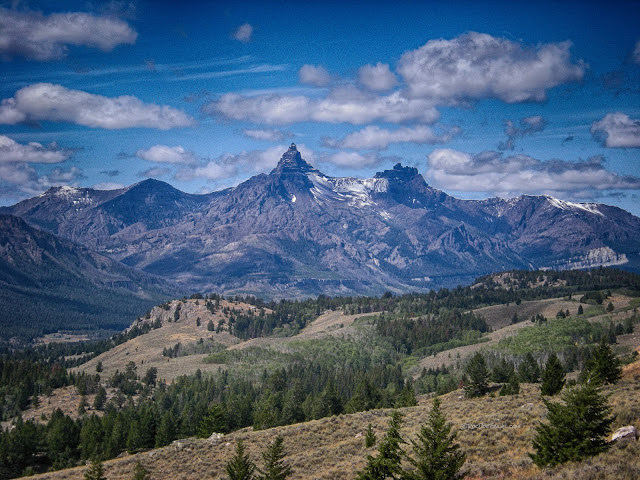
(485,99)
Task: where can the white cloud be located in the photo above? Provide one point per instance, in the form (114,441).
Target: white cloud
(377,77)
(617,130)
(345,105)
(46,101)
(493,174)
(242,164)
(374,137)
(352,160)
(46,37)
(243,33)
(19,179)
(155,172)
(635,56)
(264,134)
(528,126)
(475,65)
(315,75)
(12,151)
(108,186)
(166,154)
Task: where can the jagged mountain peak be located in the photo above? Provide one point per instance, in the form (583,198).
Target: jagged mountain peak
(292,161)
(399,172)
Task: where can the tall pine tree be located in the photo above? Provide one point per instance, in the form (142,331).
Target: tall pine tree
(437,457)
(387,464)
(604,364)
(576,429)
(240,467)
(476,377)
(274,468)
(552,376)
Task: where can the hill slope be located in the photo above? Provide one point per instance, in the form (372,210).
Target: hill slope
(47,284)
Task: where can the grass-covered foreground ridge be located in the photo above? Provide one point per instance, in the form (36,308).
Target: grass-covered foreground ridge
(318,372)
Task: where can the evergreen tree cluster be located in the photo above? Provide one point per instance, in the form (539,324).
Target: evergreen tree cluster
(434,456)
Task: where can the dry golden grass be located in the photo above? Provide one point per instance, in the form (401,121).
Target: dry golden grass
(495,433)
(146,350)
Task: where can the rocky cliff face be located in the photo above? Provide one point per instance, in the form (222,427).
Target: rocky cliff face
(298,232)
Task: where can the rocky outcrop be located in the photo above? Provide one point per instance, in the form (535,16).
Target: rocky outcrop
(625,435)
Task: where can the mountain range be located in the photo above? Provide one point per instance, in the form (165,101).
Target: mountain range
(297,232)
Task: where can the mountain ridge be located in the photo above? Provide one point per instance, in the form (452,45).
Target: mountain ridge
(297,232)
(48,283)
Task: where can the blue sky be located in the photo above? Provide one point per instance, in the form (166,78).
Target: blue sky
(484,98)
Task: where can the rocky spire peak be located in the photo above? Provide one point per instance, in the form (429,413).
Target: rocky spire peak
(292,161)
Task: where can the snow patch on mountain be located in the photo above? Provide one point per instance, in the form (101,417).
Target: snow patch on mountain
(564,205)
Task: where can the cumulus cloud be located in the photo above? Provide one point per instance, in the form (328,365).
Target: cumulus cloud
(265,134)
(166,154)
(352,160)
(20,179)
(13,152)
(46,101)
(374,137)
(475,65)
(528,125)
(494,174)
(315,75)
(343,106)
(155,172)
(243,33)
(111,173)
(617,130)
(108,186)
(46,37)
(241,164)
(377,77)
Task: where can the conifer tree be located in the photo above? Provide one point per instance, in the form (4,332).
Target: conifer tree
(511,387)
(576,429)
(240,467)
(95,471)
(436,454)
(529,370)
(387,464)
(100,398)
(476,377)
(274,468)
(215,421)
(604,364)
(140,473)
(553,377)
(370,437)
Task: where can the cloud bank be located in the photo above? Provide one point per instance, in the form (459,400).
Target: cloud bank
(617,130)
(376,138)
(344,106)
(50,102)
(46,37)
(166,154)
(492,173)
(476,65)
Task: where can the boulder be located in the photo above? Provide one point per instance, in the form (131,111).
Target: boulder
(215,438)
(625,435)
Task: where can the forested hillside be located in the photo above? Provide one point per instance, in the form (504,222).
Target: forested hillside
(210,363)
